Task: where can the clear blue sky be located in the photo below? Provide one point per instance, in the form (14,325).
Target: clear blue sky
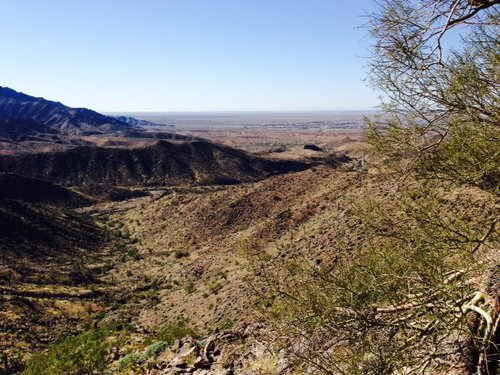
(188,55)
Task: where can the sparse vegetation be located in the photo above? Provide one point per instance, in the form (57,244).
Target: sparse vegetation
(174,331)
(383,258)
(134,254)
(155,348)
(178,254)
(85,353)
(130,360)
(189,287)
(227,324)
(411,282)
(214,287)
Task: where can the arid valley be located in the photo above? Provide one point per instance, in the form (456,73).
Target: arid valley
(121,246)
(250,187)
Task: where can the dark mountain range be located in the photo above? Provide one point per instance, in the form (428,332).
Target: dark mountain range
(164,163)
(28,114)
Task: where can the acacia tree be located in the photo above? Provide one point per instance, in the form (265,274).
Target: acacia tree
(437,63)
(413,286)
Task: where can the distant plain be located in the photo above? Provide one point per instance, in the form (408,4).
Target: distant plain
(277,134)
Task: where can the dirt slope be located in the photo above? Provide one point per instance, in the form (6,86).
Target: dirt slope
(194,244)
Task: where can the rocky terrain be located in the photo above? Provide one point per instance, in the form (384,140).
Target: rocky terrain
(54,116)
(166,276)
(142,241)
(30,124)
(47,252)
(164,163)
(176,274)
(30,190)
(255,243)
(174,257)
(15,129)
(143,252)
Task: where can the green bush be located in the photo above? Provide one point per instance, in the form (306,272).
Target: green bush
(155,349)
(134,254)
(130,360)
(227,324)
(214,287)
(189,287)
(172,332)
(83,354)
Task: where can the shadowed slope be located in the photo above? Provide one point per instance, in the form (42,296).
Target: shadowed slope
(14,187)
(164,163)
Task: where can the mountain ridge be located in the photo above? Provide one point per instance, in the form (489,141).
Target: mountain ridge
(55,116)
(164,163)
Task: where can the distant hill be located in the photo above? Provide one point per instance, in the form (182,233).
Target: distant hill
(135,133)
(28,114)
(164,163)
(135,122)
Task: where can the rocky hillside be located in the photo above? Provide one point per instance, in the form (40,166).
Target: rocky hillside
(41,115)
(14,129)
(49,256)
(33,190)
(164,163)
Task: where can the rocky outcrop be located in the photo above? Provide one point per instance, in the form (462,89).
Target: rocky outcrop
(222,353)
(14,129)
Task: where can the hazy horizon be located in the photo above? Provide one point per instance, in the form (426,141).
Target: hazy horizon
(357,110)
(247,120)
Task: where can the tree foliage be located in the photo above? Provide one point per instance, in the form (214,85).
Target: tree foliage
(442,108)
(413,286)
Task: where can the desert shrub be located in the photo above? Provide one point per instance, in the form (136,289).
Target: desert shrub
(155,349)
(405,274)
(227,324)
(152,295)
(134,254)
(130,360)
(189,287)
(174,331)
(82,354)
(121,246)
(178,254)
(411,282)
(125,234)
(214,287)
